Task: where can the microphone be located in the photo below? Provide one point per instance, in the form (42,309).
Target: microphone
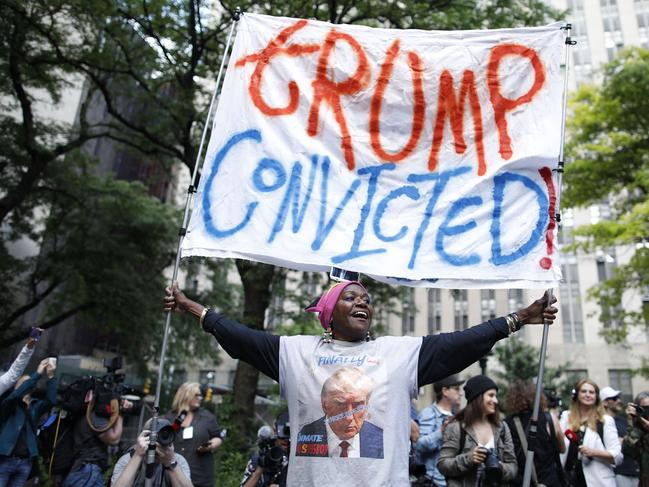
(177,424)
(572,436)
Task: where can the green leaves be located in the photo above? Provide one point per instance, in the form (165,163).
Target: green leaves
(609,144)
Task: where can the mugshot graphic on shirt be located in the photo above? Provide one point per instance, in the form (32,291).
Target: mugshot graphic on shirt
(344,420)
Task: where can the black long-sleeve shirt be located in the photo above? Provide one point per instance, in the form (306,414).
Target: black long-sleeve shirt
(439,356)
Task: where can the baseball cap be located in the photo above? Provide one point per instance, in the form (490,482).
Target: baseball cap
(608,393)
(450,381)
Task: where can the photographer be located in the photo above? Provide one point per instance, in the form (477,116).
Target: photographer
(100,425)
(636,440)
(268,466)
(171,469)
(478,449)
(20,413)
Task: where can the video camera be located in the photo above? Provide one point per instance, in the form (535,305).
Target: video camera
(105,388)
(111,386)
(272,457)
(553,400)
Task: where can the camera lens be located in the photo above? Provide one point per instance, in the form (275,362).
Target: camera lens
(166,433)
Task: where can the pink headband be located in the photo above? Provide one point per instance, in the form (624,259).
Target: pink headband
(327,302)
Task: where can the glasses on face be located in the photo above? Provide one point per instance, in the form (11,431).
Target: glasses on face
(198,396)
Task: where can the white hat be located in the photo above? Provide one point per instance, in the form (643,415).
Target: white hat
(608,393)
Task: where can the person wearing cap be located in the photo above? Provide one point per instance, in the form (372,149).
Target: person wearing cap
(627,472)
(397,366)
(432,422)
(478,449)
(595,448)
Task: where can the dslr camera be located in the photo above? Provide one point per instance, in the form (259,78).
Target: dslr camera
(272,457)
(493,472)
(166,434)
(553,400)
(641,411)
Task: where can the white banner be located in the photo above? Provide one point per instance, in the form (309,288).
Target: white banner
(416,157)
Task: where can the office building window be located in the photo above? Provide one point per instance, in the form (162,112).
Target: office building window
(582,63)
(605,261)
(620,379)
(487,304)
(642,16)
(613,40)
(461,308)
(570,299)
(408,315)
(514,300)
(568,224)
(434,311)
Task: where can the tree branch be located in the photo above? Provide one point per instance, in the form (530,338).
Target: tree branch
(23,334)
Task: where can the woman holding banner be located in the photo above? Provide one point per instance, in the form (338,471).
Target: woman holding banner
(349,396)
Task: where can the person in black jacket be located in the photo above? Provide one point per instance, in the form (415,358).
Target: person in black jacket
(550,440)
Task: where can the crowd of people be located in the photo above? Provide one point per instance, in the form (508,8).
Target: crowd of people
(349,396)
(590,444)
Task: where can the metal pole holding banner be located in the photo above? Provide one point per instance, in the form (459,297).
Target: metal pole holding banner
(150,457)
(531,437)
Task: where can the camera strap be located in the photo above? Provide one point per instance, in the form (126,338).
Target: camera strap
(114,414)
(523,439)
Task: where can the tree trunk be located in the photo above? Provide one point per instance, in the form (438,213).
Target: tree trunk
(256,279)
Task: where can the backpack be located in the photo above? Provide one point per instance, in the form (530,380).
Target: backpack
(56,443)
(56,433)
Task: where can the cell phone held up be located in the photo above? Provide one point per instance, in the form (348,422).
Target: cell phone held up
(35,333)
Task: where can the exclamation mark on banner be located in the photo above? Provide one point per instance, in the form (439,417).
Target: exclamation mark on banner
(546,174)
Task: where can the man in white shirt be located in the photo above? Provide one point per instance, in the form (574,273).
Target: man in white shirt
(432,421)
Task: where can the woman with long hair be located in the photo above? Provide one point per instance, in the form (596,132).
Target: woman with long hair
(478,448)
(198,437)
(593,446)
(549,443)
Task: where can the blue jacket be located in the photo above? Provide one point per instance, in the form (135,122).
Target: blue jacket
(13,416)
(430,441)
